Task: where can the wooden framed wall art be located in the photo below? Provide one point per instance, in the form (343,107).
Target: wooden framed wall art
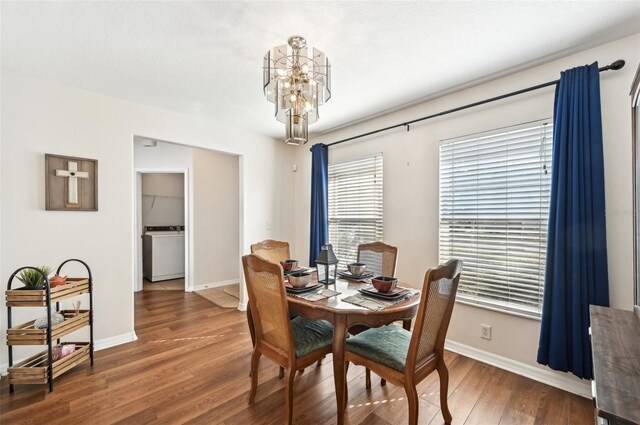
(71,183)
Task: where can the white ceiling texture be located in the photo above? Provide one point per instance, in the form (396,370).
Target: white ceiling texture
(205,58)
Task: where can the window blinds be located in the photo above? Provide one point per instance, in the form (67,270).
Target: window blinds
(355,205)
(494,207)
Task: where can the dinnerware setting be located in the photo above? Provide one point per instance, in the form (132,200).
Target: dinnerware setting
(357,269)
(302,290)
(288,265)
(299,279)
(395,294)
(384,284)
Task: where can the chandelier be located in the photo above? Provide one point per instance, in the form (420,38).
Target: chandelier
(297,84)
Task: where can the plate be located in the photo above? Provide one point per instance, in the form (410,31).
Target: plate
(308,288)
(299,269)
(347,275)
(393,295)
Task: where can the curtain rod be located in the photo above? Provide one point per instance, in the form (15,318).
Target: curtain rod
(619,64)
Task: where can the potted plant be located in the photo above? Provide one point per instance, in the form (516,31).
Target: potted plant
(34,279)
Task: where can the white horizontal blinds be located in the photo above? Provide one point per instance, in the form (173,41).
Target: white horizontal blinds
(355,205)
(494,208)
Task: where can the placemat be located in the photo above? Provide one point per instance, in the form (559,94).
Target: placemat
(376,303)
(318,295)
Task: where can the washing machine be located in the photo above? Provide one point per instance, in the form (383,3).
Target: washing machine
(163,252)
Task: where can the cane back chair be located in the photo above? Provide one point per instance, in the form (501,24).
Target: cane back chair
(405,358)
(381,259)
(272,250)
(292,344)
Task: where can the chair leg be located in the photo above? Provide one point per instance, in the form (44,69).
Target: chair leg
(255,360)
(346,387)
(412,399)
(367,378)
(444,391)
(320,361)
(252,330)
(281,373)
(383,382)
(288,395)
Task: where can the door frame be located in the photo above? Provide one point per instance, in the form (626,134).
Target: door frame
(188,219)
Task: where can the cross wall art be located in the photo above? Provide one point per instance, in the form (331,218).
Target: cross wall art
(71,183)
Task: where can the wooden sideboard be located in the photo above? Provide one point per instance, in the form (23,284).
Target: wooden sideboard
(615,342)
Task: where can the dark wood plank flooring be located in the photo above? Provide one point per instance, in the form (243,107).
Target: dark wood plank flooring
(191,365)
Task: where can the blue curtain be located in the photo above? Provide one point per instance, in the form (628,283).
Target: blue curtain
(319,200)
(576,269)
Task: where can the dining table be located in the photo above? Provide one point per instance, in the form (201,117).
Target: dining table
(344,315)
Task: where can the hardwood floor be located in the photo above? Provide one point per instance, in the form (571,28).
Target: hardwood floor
(191,365)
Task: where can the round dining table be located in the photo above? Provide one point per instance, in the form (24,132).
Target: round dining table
(343,315)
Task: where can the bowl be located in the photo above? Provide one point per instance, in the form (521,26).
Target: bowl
(357,269)
(57,281)
(384,284)
(299,279)
(288,265)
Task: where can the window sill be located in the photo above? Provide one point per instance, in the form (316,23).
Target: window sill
(498,309)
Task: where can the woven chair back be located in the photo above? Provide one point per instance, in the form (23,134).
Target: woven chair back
(379,257)
(272,250)
(436,304)
(268,302)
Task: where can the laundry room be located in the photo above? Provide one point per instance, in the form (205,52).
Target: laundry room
(163,241)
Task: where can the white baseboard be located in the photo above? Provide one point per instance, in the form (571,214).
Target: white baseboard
(98,344)
(242,306)
(214,284)
(101,344)
(546,376)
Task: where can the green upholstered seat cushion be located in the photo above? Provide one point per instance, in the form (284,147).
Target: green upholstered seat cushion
(310,335)
(387,345)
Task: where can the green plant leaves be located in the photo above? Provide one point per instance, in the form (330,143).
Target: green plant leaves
(32,277)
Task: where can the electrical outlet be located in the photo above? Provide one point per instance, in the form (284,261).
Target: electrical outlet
(485,332)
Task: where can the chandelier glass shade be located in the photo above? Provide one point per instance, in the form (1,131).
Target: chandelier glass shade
(297,84)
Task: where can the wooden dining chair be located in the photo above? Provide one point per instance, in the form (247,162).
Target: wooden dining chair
(405,358)
(272,250)
(381,259)
(292,344)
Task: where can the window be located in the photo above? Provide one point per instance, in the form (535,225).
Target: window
(494,208)
(355,205)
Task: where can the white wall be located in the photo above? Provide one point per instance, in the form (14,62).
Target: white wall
(41,117)
(215,186)
(411,181)
(163,184)
(163,199)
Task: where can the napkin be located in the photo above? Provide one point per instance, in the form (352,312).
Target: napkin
(318,295)
(371,303)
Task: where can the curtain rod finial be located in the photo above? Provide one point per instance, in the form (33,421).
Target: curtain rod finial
(619,64)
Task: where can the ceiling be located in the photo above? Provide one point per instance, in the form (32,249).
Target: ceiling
(205,58)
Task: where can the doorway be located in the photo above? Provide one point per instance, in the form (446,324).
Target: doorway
(211,206)
(162,229)
(163,212)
